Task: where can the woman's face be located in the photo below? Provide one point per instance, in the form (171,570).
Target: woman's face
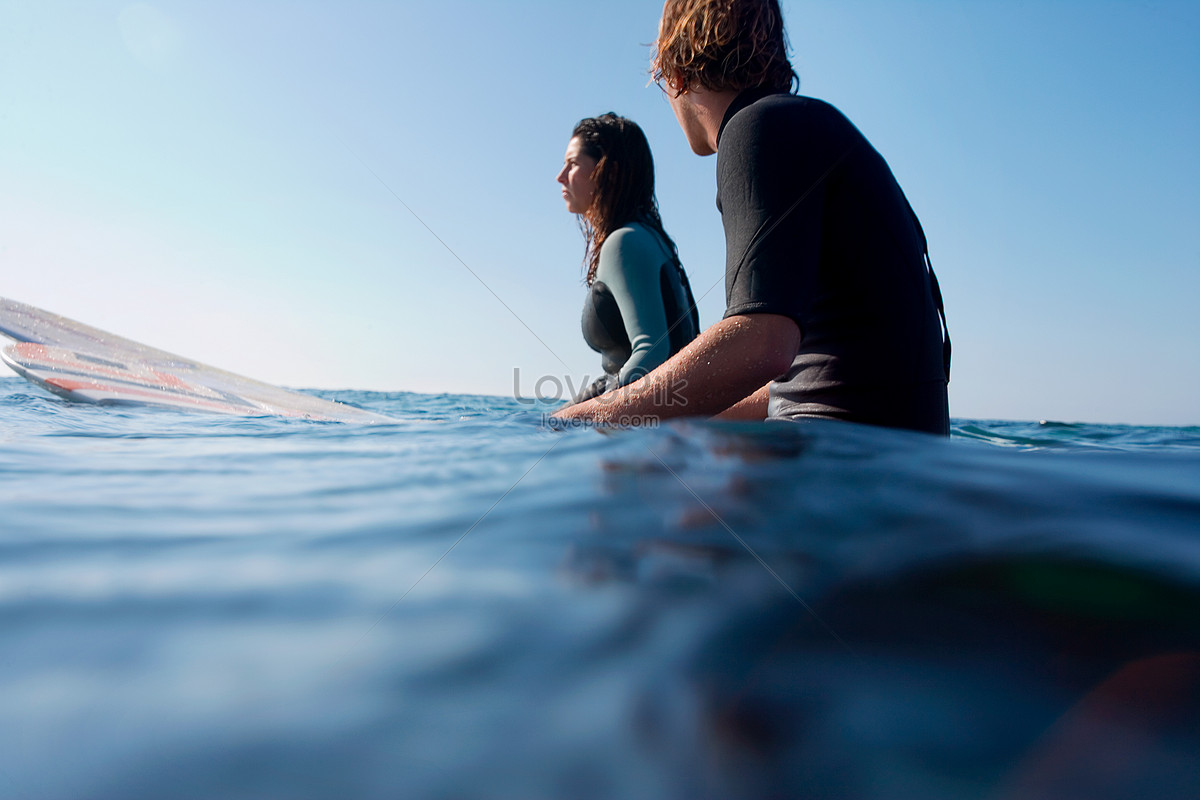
(576,178)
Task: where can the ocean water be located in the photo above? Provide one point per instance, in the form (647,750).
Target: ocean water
(469,604)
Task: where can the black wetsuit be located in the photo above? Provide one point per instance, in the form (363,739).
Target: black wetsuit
(818,230)
(639,310)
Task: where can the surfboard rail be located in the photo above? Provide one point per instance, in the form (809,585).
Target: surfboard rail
(87,365)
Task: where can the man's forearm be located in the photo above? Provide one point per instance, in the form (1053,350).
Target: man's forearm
(726,363)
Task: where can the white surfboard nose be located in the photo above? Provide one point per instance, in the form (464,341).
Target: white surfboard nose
(84,364)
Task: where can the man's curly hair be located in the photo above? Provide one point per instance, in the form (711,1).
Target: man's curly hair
(722,45)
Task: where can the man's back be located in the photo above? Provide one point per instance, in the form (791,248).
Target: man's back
(818,230)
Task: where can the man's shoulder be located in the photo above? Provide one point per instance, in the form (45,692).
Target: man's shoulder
(781,112)
(778,129)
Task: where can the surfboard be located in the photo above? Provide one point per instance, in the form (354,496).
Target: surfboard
(87,365)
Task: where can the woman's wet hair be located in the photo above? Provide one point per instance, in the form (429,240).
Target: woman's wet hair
(624,178)
(722,45)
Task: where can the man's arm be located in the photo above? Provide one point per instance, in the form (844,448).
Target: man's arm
(752,408)
(725,364)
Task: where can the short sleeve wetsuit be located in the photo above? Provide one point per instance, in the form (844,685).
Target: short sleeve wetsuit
(639,310)
(817,229)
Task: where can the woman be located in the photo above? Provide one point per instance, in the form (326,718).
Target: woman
(639,310)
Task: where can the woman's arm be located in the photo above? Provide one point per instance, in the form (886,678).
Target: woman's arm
(630,262)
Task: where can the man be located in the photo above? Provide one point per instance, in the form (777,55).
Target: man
(831,309)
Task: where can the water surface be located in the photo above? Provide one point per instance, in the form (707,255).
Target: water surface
(466,603)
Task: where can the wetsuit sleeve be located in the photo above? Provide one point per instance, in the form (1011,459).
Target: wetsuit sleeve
(630,260)
(772,207)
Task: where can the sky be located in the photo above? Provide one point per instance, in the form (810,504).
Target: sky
(361,194)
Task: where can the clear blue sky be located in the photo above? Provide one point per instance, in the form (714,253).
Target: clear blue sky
(220,179)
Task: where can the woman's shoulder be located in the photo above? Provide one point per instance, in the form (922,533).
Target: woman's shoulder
(633,235)
(629,251)
(635,242)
